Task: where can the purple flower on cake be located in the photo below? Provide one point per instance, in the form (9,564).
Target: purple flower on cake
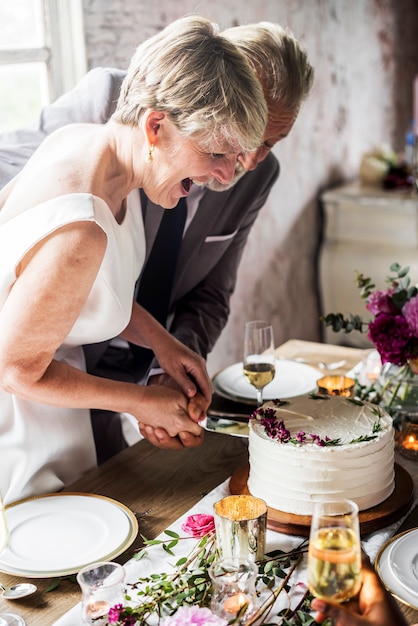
(276,429)
(394,329)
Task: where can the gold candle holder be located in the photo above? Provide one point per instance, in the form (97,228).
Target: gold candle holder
(240,523)
(407,441)
(335,385)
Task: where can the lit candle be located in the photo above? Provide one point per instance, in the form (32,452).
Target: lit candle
(336,385)
(97,608)
(234,603)
(374,374)
(410,442)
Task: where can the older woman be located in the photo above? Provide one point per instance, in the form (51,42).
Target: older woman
(72,244)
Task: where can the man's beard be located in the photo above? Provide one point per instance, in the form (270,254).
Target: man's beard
(215,185)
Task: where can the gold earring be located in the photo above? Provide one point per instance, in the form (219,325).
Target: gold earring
(149,158)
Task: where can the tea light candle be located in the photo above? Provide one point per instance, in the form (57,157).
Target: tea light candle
(97,608)
(234,590)
(407,441)
(234,603)
(410,442)
(336,385)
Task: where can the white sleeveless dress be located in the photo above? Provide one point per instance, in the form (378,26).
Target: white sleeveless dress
(43,448)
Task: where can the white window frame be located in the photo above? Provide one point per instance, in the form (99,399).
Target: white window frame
(64,52)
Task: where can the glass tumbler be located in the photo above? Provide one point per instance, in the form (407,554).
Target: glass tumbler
(102,587)
(234,593)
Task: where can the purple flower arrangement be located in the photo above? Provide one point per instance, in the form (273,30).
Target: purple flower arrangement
(394,329)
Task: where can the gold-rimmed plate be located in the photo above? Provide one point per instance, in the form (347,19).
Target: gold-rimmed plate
(58,534)
(396,565)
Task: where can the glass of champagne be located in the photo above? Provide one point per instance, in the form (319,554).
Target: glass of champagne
(259,358)
(334,557)
(6,619)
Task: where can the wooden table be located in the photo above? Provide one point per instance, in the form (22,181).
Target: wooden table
(168,482)
(141,477)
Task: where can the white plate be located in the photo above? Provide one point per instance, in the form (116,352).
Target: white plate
(389,573)
(403,560)
(58,534)
(291,379)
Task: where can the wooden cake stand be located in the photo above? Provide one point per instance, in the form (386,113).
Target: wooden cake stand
(388,511)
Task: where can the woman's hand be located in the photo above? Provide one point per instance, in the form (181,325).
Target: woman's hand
(374,606)
(162,407)
(159,436)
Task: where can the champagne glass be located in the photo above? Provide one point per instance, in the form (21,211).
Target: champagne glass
(259,358)
(6,619)
(334,557)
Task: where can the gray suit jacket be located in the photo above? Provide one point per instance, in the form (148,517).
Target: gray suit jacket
(213,244)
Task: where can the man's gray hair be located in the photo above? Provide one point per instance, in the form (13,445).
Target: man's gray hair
(201,81)
(279,61)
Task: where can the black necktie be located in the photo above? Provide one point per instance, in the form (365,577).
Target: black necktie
(154,290)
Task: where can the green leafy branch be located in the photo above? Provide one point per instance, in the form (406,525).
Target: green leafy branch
(190,584)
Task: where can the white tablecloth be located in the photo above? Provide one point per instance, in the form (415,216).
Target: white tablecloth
(158,561)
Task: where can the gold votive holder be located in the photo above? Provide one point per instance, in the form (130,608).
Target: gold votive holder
(240,523)
(336,385)
(407,441)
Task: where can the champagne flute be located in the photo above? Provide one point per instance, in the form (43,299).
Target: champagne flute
(259,358)
(334,557)
(6,619)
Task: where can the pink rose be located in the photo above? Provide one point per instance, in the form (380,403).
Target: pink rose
(381,302)
(199,525)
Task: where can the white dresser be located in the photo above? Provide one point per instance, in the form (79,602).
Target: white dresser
(366,229)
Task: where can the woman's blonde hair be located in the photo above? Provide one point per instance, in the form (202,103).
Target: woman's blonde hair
(279,61)
(201,81)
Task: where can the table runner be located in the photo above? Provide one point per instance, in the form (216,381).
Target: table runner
(158,561)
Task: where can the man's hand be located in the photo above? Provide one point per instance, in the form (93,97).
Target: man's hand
(187,368)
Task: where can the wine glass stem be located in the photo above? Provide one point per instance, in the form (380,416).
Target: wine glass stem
(259,396)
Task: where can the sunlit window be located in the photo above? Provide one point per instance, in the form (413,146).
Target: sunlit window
(42,55)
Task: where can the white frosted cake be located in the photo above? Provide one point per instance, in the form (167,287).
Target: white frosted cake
(311,448)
